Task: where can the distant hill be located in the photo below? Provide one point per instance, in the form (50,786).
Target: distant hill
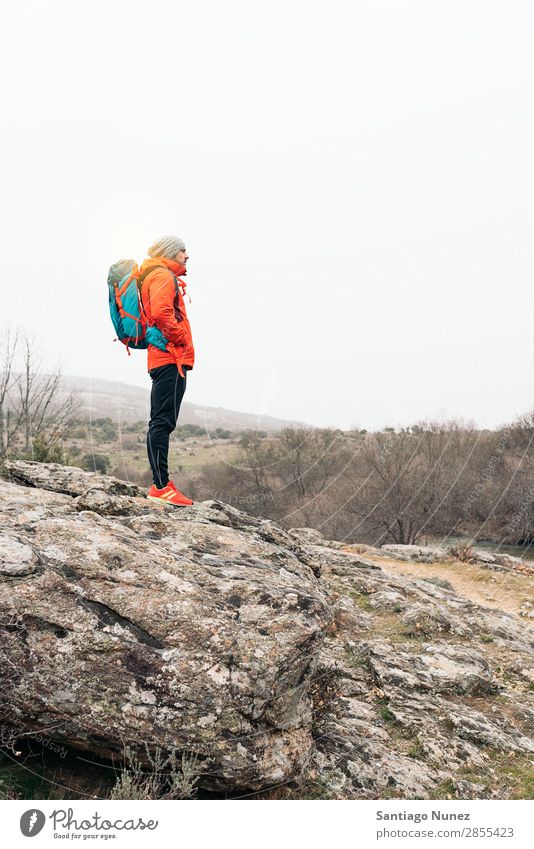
(126,403)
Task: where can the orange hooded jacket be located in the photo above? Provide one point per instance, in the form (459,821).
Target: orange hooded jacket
(166,309)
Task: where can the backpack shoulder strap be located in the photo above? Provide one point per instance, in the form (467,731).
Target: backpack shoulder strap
(141,280)
(142,276)
(150,270)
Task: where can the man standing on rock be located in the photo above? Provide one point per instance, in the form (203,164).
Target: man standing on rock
(163,302)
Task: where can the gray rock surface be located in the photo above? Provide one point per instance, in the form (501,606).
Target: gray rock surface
(279,659)
(419,553)
(67,479)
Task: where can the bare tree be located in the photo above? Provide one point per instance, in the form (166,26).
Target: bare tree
(309,464)
(45,411)
(253,462)
(8,378)
(33,404)
(410,479)
(513,491)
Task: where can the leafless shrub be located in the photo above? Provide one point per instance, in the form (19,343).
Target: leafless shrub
(463,552)
(33,405)
(171,776)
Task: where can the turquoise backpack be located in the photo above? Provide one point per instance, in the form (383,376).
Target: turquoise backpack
(126,307)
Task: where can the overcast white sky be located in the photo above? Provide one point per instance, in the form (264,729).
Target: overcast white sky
(354,182)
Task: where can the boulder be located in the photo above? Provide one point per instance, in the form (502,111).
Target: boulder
(192,632)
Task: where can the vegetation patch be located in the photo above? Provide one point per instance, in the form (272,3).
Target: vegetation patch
(509,773)
(439,582)
(443,790)
(361,600)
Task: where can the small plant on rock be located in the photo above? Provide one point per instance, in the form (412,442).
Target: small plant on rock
(463,551)
(439,582)
(171,776)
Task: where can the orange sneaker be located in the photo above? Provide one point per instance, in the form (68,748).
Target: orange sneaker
(169,494)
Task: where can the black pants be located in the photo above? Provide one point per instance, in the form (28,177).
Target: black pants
(167,392)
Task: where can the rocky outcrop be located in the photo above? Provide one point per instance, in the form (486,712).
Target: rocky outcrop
(421,693)
(419,553)
(502,562)
(67,479)
(277,658)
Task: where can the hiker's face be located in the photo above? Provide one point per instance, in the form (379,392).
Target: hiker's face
(181,257)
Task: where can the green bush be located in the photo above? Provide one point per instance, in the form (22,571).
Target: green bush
(190,430)
(95,463)
(135,427)
(104,430)
(44,452)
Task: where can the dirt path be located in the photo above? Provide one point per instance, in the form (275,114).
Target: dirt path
(501,590)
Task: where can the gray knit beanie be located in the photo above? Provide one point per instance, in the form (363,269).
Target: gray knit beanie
(167,246)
